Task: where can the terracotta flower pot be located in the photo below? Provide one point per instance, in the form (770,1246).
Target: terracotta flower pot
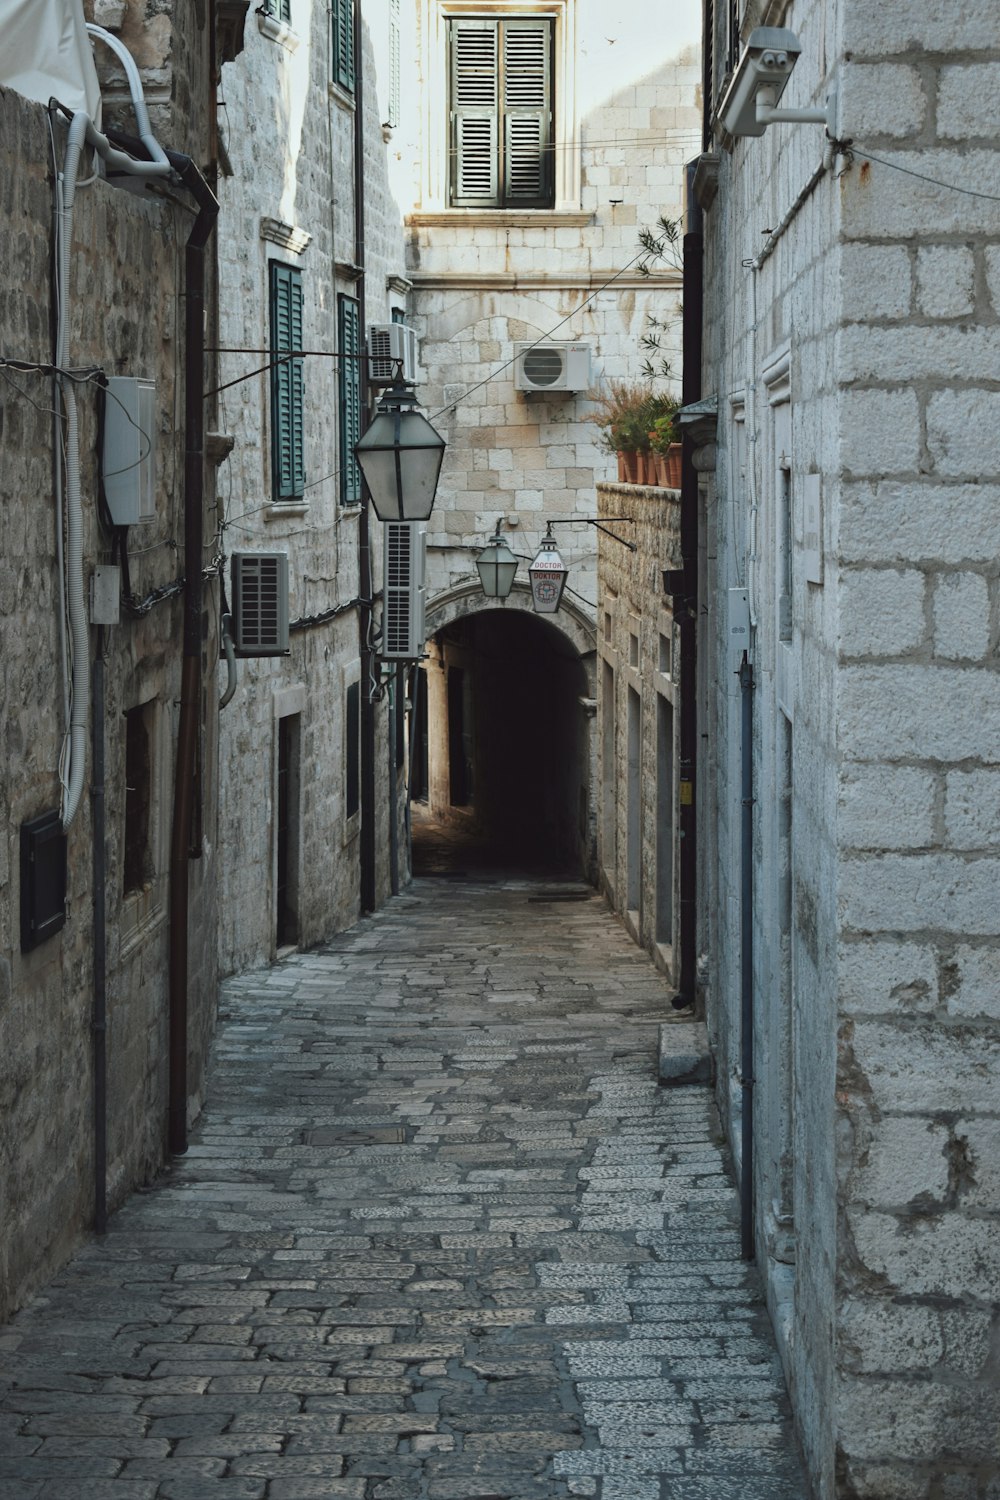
(673,466)
(630,467)
(644,468)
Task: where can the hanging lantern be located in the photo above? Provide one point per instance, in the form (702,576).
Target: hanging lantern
(548,574)
(400,456)
(497,566)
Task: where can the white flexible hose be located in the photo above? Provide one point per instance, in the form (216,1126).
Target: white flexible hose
(79,714)
(135,89)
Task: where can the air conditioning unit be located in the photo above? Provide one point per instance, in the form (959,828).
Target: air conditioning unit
(392,350)
(551,366)
(129,450)
(260,603)
(403,590)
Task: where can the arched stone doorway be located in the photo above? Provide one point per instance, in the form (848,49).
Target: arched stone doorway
(504,730)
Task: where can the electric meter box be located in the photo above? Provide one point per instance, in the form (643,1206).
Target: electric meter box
(129,466)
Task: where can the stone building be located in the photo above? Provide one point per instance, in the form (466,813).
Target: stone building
(106,1004)
(638,715)
(534,142)
(311,254)
(851,535)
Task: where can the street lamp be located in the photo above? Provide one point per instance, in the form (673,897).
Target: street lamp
(400,456)
(548,574)
(497,566)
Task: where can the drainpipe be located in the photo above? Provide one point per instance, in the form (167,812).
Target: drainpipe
(746,961)
(394,712)
(687,822)
(191,674)
(365,619)
(99,1022)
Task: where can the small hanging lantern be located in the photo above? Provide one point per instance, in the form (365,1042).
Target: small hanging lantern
(497,566)
(548,574)
(400,456)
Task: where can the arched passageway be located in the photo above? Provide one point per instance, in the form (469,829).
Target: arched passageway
(504,743)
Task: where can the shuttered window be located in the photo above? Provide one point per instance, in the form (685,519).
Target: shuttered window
(280,9)
(350,376)
(501,112)
(342,20)
(288,475)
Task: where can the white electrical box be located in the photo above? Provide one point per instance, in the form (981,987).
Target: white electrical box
(129,466)
(738,628)
(551,366)
(260,603)
(403,585)
(392,350)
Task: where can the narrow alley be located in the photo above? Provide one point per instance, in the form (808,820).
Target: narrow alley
(440,1235)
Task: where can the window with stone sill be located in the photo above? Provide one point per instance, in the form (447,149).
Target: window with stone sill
(500,110)
(557,184)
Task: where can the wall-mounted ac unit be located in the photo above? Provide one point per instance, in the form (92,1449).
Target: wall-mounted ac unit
(129,450)
(260,603)
(392,348)
(551,366)
(403,590)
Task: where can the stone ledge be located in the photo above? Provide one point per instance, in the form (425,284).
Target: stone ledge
(684,1054)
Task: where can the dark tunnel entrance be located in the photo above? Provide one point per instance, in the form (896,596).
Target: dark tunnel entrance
(502,742)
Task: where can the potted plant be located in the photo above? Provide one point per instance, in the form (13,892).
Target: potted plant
(624,413)
(664,443)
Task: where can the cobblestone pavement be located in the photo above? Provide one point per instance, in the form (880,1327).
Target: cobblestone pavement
(439,1236)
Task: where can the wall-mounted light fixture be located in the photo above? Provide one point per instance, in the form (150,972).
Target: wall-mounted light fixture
(548,574)
(400,456)
(749,105)
(497,566)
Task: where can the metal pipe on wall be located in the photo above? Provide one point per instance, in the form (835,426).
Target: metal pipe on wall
(687,821)
(746,962)
(191,674)
(365,583)
(99,1019)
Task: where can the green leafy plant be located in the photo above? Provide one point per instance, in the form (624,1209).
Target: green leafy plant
(663,431)
(624,414)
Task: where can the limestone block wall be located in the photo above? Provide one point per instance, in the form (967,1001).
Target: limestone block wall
(918,542)
(638,716)
(848,314)
(626,121)
(290,198)
(127,271)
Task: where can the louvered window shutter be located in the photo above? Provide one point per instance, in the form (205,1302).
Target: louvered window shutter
(349,343)
(343,44)
(501,113)
(475,112)
(527,113)
(287,385)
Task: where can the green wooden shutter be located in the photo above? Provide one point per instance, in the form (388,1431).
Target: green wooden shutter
(527,113)
(280,9)
(343,44)
(474,57)
(349,344)
(287,385)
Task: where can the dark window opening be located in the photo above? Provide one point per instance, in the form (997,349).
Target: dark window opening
(137,865)
(287,919)
(352,759)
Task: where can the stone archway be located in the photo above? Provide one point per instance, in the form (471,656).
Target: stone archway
(509,727)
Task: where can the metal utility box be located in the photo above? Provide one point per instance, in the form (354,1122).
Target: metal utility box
(404,568)
(129,461)
(260,603)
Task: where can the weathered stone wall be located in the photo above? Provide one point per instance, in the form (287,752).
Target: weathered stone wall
(126,318)
(638,651)
(848,317)
(290,198)
(626,122)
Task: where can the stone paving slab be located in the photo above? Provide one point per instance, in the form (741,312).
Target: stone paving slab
(440,1235)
